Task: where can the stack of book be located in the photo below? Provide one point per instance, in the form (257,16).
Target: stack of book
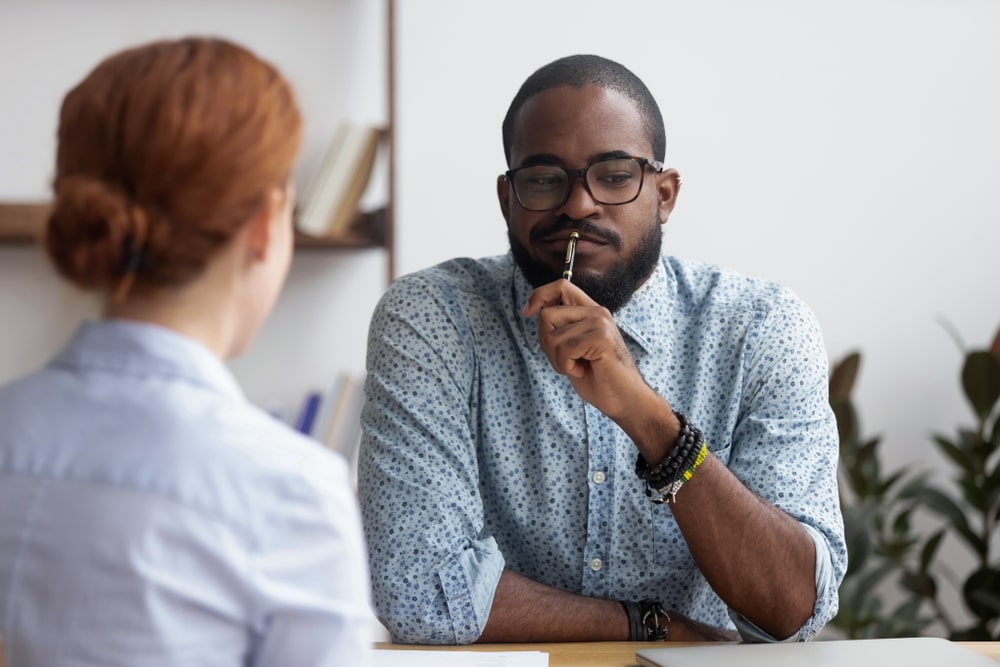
(333,417)
(330,206)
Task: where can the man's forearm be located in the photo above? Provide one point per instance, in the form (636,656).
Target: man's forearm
(526,611)
(758,559)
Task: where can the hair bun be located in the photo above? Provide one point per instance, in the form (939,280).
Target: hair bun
(87,229)
(165,152)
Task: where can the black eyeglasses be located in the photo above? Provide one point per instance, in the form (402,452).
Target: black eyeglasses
(610,181)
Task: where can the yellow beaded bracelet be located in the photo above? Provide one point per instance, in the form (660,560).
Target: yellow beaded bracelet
(669,492)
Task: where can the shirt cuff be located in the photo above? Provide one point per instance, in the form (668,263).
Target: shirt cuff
(469,588)
(823,575)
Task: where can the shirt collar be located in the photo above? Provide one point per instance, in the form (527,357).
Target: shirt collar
(644,319)
(137,348)
(646,316)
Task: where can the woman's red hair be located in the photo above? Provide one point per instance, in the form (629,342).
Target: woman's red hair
(165,150)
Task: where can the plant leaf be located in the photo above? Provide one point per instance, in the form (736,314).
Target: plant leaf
(995,346)
(868,463)
(905,620)
(988,599)
(979,595)
(901,525)
(981,381)
(955,453)
(888,482)
(930,548)
(953,332)
(914,487)
(868,581)
(945,506)
(843,411)
(992,483)
(843,375)
(938,502)
(974,494)
(921,584)
(995,440)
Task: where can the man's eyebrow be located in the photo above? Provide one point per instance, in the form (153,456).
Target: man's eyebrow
(610,155)
(541,158)
(550,159)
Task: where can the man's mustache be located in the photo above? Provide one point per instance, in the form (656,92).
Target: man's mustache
(585,227)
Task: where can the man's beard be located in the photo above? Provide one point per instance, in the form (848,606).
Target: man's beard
(614,288)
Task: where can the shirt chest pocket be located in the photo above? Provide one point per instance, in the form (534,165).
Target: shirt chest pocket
(672,555)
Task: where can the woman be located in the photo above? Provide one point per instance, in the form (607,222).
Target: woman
(149,514)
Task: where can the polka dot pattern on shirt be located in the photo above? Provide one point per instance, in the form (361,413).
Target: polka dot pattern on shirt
(478,456)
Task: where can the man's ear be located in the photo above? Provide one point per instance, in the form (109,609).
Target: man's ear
(668,184)
(503,194)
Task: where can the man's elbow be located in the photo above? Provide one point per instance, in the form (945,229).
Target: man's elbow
(426,626)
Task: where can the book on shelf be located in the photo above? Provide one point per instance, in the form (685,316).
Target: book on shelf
(332,405)
(331,201)
(307,413)
(338,424)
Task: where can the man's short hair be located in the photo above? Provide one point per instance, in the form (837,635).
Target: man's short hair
(583,70)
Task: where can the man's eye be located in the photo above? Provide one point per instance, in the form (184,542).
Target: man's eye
(543,181)
(617,179)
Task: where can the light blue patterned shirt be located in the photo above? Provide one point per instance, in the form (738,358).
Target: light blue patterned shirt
(477,455)
(150,515)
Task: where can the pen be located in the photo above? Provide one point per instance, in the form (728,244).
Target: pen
(570,255)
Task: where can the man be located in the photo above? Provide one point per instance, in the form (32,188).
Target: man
(511,412)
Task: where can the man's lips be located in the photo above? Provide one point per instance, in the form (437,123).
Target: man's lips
(584,243)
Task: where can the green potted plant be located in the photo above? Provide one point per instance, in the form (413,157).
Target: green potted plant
(883,547)
(972,506)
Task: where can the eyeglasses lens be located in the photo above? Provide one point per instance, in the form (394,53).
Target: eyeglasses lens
(611,182)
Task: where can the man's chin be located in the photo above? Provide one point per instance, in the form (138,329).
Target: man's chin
(612,287)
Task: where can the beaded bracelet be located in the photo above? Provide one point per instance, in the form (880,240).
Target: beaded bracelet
(685,447)
(670,490)
(689,452)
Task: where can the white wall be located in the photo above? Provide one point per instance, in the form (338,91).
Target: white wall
(334,54)
(848,149)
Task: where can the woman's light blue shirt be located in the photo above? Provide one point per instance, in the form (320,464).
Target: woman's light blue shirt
(150,515)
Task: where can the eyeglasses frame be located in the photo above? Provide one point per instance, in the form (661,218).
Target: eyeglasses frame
(573,174)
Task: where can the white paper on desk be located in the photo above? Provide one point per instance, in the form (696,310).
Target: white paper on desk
(419,658)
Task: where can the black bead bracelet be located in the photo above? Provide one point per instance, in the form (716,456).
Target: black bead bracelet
(666,478)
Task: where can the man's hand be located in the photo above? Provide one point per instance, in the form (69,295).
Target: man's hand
(582,341)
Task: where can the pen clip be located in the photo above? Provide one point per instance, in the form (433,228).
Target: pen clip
(570,255)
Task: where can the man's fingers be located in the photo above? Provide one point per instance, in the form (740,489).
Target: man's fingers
(557,293)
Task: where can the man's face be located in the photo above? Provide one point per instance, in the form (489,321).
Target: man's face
(619,245)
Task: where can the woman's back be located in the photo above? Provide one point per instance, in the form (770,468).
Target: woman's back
(149,514)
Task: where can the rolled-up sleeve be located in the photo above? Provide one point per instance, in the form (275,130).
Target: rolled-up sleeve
(434,571)
(785,447)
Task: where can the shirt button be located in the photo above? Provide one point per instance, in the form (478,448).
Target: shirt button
(598,477)
(596,564)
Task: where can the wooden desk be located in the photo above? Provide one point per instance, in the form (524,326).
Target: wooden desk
(611,654)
